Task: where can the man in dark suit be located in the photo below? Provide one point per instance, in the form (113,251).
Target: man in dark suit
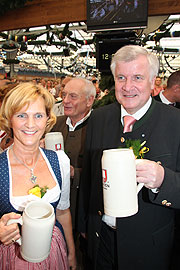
(142,241)
(171,95)
(77,97)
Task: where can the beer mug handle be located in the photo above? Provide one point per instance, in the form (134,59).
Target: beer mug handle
(139,187)
(20,221)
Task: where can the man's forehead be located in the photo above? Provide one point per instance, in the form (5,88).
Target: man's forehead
(76,86)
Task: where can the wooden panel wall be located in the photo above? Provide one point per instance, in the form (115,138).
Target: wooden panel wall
(163,7)
(44,12)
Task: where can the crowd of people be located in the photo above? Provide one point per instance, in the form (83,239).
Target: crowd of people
(84,237)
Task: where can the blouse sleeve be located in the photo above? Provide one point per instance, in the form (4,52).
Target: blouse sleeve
(64,162)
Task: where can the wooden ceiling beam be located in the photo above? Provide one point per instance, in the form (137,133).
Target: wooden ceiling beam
(45,12)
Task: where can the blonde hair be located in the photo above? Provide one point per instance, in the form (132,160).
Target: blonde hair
(20,96)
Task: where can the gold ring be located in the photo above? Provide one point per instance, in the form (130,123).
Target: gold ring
(13,240)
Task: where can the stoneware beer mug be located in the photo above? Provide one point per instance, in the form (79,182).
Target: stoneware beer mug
(54,141)
(120,188)
(37,223)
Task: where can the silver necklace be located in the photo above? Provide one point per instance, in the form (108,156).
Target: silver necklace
(32,178)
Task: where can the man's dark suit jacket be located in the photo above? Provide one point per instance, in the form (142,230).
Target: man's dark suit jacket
(176,246)
(144,240)
(159,99)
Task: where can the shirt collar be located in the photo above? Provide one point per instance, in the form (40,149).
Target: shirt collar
(71,127)
(139,114)
(164,99)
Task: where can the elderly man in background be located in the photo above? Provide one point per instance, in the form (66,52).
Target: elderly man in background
(78,96)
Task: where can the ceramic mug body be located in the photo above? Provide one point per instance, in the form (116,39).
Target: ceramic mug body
(119,182)
(54,141)
(37,222)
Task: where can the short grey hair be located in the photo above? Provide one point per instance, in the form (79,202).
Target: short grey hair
(89,87)
(129,53)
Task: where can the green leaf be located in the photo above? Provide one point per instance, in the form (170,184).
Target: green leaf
(137,147)
(43,191)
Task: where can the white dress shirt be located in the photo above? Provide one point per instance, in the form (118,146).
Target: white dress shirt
(71,127)
(164,99)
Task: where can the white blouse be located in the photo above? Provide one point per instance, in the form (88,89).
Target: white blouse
(52,195)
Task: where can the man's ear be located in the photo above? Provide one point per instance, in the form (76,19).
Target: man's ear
(175,87)
(90,101)
(153,82)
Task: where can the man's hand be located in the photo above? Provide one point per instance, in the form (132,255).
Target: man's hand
(150,173)
(71,171)
(84,235)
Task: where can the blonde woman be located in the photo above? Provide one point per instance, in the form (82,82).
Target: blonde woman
(26,114)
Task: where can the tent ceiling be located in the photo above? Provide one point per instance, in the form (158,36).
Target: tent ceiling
(68,48)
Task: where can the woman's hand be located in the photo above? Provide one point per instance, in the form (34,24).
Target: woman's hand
(64,218)
(9,233)
(72,261)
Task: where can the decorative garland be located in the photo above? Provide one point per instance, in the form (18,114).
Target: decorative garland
(6,5)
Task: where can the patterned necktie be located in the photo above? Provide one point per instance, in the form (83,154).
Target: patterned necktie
(128,122)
